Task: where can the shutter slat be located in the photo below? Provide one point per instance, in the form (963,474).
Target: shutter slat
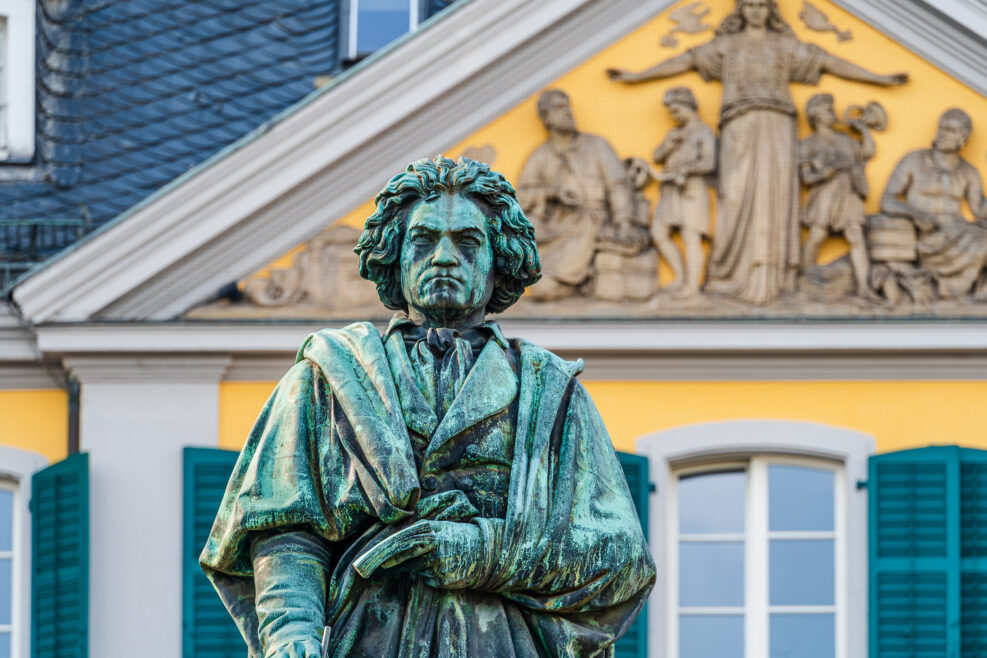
(209,630)
(634,643)
(60,560)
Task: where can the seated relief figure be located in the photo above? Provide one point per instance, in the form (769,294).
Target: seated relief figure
(689,158)
(831,165)
(928,187)
(438,490)
(571,187)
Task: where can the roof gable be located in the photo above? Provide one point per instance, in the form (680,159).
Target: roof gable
(315,165)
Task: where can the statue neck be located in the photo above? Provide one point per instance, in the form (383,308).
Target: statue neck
(447,318)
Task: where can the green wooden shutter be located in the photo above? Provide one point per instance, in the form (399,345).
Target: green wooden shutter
(973,552)
(634,643)
(916,570)
(60,560)
(208,629)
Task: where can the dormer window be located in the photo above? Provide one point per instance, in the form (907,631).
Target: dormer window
(16,80)
(375,23)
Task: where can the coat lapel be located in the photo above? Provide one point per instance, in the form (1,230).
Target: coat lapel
(490,387)
(418,413)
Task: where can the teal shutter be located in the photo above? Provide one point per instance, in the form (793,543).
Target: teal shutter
(634,643)
(973,552)
(60,560)
(208,630)
(928,553)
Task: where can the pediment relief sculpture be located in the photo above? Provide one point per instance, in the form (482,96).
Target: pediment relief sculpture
(732,220)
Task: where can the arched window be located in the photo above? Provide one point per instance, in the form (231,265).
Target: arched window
(760,535)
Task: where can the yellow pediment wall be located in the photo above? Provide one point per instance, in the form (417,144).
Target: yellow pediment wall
(634,120)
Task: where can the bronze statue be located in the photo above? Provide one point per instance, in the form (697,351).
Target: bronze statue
(755,252)
(689,158)
(438,490)
(831,165)
(928,187)
(571,187)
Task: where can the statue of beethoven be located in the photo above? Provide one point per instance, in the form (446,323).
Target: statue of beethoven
(439,490)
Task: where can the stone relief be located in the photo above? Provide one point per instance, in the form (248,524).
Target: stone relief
(603,239)
(817,21)
(688,20)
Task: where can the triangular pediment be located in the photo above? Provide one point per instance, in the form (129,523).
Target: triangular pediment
(277,211)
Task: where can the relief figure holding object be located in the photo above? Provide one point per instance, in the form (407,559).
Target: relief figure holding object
(928,188)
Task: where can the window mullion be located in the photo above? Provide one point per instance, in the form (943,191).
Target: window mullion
(412,15)
(351,45)
(756,562)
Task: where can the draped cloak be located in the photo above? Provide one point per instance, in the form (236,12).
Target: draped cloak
(331,454)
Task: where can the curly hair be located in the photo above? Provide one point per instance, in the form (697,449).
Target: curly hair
(736,22)
(516,262)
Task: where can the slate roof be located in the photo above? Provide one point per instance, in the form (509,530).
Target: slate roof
(130,94)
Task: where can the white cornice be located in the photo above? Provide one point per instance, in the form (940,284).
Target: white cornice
(324,158)
(123,369)
(608,337)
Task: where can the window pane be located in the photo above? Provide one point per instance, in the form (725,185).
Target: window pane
(711,573)
(6,591)
(6,520)
(711,636)
(800,498)
(802,572)
(380,22)
(712,502)
(4,645)
(803,636)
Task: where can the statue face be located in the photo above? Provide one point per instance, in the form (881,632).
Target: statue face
(755,12)
(557,114)
(681,113)
(447,269)
(952,135)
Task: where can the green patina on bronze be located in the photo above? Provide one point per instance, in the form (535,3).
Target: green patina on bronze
(438,490)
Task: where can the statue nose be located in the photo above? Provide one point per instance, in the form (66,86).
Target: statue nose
(444,253)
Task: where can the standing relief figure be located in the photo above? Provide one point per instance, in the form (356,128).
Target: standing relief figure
(689,158)
(756,247)
(831,165)
(570,188)
(928,188)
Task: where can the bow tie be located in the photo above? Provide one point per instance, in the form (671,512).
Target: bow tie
(441,339)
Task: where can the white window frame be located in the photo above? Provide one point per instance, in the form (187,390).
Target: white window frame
(352,23)
(701,447)
(17,79)
(16,468)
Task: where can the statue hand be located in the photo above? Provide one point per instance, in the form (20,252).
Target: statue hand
(925,223)
(894,80)
(622,75)
(456,561)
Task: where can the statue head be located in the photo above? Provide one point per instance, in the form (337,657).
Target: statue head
(448,241)
(820,111)
(757,13)
(681,104)
(954,131)
(555,111)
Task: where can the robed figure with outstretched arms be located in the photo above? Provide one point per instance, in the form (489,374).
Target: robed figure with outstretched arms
(438,490)
(756,251)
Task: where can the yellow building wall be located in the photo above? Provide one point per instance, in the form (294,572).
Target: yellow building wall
(36,420)
(899,414)
(634,120)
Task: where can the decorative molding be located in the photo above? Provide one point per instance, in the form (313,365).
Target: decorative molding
(32,376)
(17,341)
(716,441)
(156,369)
(220,222)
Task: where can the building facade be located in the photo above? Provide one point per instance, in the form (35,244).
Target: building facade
(802,432)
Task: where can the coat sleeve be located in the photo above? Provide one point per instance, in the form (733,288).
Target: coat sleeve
(290,476)
(578,564)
